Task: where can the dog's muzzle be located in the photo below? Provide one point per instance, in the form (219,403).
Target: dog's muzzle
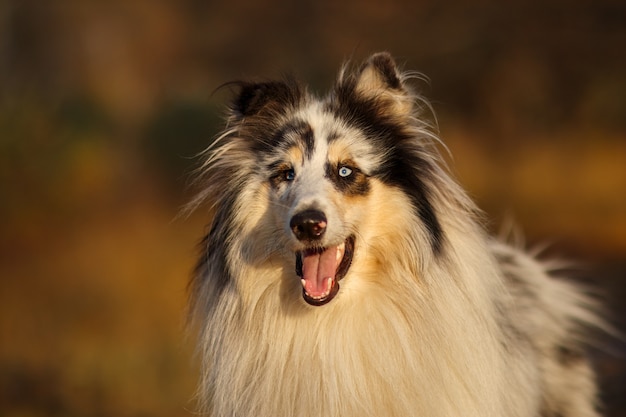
(320,268)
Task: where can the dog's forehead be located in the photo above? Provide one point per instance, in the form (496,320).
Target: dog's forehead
(323,135)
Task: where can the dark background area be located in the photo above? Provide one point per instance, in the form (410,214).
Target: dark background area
(103,105)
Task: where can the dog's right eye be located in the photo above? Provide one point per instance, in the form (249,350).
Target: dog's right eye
(289,174)
(281,173)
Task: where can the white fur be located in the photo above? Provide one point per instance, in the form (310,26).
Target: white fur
(473,331)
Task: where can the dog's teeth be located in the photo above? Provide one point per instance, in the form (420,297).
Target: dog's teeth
(303,283)
(340,251)
(329,285)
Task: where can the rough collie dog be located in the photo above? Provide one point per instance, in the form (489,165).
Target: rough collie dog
(346,273)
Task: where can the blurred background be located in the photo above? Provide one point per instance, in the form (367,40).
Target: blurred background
(103,105)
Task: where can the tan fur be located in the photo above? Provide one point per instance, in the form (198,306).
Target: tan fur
(479,329)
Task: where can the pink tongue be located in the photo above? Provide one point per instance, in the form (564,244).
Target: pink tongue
(316,269)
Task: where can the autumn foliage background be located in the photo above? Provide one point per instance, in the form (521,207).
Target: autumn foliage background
(103,105)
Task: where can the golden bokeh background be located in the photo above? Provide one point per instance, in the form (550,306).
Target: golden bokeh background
(104,103)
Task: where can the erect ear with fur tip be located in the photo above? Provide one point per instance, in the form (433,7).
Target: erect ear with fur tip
(380,79)
(378,73)
(266,98)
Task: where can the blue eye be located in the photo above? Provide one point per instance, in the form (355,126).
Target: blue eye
(289,174)
(344,172)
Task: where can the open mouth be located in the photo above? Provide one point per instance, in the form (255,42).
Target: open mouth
(320,270)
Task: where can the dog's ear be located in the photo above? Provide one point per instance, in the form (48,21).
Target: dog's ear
(265,98)
(379,79)
(377,74)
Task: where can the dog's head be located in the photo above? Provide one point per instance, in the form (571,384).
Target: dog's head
(346,177)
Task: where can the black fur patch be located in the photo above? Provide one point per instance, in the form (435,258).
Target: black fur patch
(308,139)
(214,247)
(294,133)
(404,169)
(259,107)
(267,98)
(333,136)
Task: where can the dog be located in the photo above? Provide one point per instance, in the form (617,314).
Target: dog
(346,273)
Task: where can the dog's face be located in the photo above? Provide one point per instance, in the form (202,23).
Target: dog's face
(331,166)
(320,180)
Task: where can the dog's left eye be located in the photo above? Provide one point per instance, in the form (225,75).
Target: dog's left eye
(344,172)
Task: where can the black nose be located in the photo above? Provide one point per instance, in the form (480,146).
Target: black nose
(308,225)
